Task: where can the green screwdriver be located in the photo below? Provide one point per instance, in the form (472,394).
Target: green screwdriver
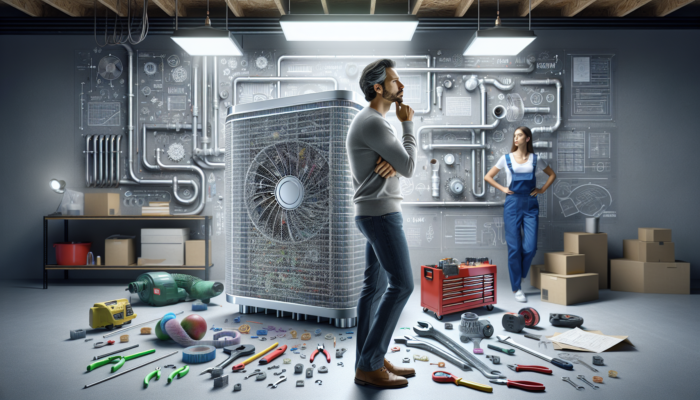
(510,352)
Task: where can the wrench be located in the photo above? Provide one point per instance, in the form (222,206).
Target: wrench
(234,352)
(576,359)
(566,379)
(280,373)
(583,378)
(257,372)
(413,342)
(425,329)
(274,385)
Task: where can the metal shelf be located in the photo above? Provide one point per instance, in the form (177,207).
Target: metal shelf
(125,267)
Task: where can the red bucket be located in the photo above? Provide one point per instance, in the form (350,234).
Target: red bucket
(72,253)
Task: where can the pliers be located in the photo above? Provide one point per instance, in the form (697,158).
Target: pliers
(180,372)
(533,368)
(118,360)
(150,376)
(320,349)
(524,385)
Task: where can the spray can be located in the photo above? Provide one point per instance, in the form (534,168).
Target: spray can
(435,180)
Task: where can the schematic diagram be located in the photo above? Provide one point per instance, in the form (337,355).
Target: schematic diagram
(422,230)
(583,197)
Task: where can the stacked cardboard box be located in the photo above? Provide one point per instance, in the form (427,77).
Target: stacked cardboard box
(566,281)
(649,265)
(156,208)
(595,247)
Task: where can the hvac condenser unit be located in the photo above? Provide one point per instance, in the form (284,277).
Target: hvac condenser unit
(291,241)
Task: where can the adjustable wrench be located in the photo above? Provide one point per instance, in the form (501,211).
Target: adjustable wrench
(234,352)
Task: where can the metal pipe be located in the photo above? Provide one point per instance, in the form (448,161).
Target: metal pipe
(529,69)
(192,199)
(272,78)
(435,178)
(434,84)
(483,167)
(118,171)
(431,146)
(111,160)
(195,104)
(454,203)
(374,57)
(215,106)
(101,168)
(205,103)
(498,84)
(88,183)
(94,159)
(547,82)
(190,168)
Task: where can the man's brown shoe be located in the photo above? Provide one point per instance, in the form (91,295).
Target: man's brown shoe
(380,378)
(400,371)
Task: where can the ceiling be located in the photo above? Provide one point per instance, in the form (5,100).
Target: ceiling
(422,8)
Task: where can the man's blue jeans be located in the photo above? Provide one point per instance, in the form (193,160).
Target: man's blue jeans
(378,310)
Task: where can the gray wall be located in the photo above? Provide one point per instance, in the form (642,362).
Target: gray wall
(656,101)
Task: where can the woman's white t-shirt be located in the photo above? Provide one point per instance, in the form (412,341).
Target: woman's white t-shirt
(525,168)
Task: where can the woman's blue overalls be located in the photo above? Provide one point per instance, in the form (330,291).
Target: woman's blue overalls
(521,211)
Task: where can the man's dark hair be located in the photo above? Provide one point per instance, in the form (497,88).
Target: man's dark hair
(374,73)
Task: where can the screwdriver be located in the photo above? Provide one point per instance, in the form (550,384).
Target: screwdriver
(510,352)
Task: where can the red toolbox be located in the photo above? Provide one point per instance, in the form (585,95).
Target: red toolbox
(474,287)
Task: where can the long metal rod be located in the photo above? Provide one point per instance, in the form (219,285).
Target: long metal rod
(510,342)
(134,326)
(129,370)
(114,352)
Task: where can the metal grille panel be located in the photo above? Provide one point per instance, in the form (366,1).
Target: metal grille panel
(324,269)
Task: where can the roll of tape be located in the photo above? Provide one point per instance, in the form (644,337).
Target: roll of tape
(198,354)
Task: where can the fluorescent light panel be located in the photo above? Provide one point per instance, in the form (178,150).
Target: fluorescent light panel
(206,41)
(349,28)
(499,42)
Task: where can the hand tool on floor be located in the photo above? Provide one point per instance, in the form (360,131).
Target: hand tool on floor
(97,345)
(531,336)
(583,378)
(446,377)
(572,383)
(134,326)
(413,342)
(524,385)
(180,373)
(556,361)
(150,376)
(114,352)
(576,359)
(533,368)
(565,320)
(129,370)
(118,360)
(247,361)
(510,352)
(424,329)
(268,358)
(233,352)
(320,349)
(274,385)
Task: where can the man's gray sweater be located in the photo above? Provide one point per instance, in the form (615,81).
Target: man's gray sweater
(369,137)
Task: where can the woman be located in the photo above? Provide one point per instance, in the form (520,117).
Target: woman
(521,210)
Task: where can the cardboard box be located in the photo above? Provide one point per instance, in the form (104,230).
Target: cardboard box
(595,247)
(102,204)
(637,250)
(564,263)
(120,252)
(650,277)
(569,289)
(147,261)
(194,253)
(654,234)
(535,272)
(168,244)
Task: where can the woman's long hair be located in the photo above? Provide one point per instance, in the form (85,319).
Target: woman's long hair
(527,133)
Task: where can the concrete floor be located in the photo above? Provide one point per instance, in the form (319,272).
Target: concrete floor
(41,362)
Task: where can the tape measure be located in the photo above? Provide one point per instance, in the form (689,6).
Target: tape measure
(198,354)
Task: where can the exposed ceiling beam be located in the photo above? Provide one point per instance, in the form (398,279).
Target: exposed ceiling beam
(34,8)
(282,6)
(574,7)
(69,7)
(324,3)
(372,6)
(416,6)
(524,7)
(462,8)
(235,8)
(118,6)
(624,7)
(168,6)
(665,7)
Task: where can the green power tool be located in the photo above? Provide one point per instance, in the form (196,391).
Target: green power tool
(161,288)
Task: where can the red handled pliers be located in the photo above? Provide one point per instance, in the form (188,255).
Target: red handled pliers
(320,349)
(524,385)
(533,368)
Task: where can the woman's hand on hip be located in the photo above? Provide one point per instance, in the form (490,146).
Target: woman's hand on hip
(536,191)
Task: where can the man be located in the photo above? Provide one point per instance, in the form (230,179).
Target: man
(376,156)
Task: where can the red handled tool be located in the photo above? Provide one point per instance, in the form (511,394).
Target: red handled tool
(320,349)
(249,360)
(446,377)
(524,385)
(533,368)
(268,358)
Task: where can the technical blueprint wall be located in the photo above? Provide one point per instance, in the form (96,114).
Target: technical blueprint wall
(628,155)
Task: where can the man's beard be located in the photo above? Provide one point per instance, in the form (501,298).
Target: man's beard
(392,97)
